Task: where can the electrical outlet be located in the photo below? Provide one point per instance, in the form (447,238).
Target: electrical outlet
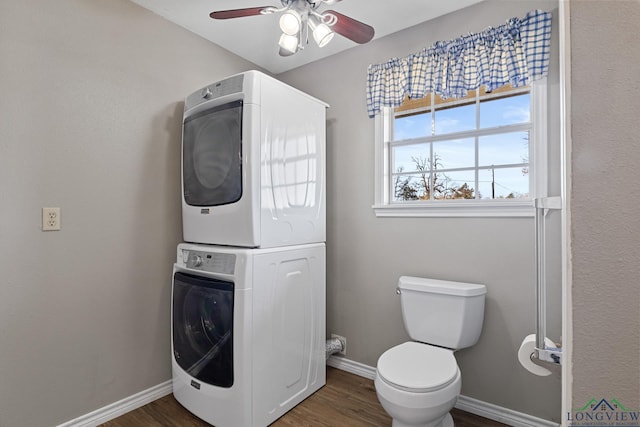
(50,219)
(343,340)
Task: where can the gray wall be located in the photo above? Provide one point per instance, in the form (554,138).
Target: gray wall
(605,65)
(366,255)
(90,113)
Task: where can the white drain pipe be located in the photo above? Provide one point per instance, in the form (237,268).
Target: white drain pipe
(333,346)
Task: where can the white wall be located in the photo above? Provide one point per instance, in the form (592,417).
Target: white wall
(366,255)
(605,65)
(90,118)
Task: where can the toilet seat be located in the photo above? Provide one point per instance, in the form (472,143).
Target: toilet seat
(417,368)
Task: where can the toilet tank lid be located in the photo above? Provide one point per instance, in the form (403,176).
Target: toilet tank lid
(435,286)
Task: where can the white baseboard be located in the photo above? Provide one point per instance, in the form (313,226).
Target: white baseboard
(464,403)
(354,367)
(467,404)
(501,414)
(121,407)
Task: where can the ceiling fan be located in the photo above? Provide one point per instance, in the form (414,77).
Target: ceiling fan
(301,17)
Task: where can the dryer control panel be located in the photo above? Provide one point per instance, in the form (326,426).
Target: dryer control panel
(214,262)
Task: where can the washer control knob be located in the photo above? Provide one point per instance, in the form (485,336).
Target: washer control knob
(194,260)
(197,261)
(206,93)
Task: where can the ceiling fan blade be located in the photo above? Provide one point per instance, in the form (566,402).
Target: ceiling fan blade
(239,13)
(354,30)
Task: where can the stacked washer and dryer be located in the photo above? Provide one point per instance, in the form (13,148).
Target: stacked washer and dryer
(248,304)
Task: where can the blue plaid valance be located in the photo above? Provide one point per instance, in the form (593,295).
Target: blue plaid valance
(516,53)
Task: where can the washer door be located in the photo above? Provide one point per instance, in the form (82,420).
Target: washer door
(202,328)
(212,156)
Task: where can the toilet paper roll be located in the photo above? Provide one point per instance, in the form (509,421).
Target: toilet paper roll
(526,350)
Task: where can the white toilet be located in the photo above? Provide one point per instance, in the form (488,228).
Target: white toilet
(418,382)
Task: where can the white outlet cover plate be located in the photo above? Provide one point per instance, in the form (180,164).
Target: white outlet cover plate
(50,219)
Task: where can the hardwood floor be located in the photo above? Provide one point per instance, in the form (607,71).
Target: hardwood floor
(346,400)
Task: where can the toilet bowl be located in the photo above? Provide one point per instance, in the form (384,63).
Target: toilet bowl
(418,384)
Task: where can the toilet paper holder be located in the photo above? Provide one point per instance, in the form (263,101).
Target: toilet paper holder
(549,354)
(542,351)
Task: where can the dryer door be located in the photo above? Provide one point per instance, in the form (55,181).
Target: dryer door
(202,328)
(212,156)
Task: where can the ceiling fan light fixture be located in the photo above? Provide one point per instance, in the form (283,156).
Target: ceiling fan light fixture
(300,19)
(289,42)
(322,34)
(290,22)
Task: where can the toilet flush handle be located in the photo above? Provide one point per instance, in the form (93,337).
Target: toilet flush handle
(398,291)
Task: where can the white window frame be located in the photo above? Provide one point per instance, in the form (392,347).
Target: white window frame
(538,149)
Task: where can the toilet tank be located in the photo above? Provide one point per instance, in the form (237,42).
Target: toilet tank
(443,313)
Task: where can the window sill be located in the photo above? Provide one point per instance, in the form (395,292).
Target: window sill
(458,209)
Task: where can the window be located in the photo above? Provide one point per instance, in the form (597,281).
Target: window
(482,155)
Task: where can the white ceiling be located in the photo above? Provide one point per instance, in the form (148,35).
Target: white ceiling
(255,38)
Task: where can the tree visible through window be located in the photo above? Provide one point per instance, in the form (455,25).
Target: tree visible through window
(471,148)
